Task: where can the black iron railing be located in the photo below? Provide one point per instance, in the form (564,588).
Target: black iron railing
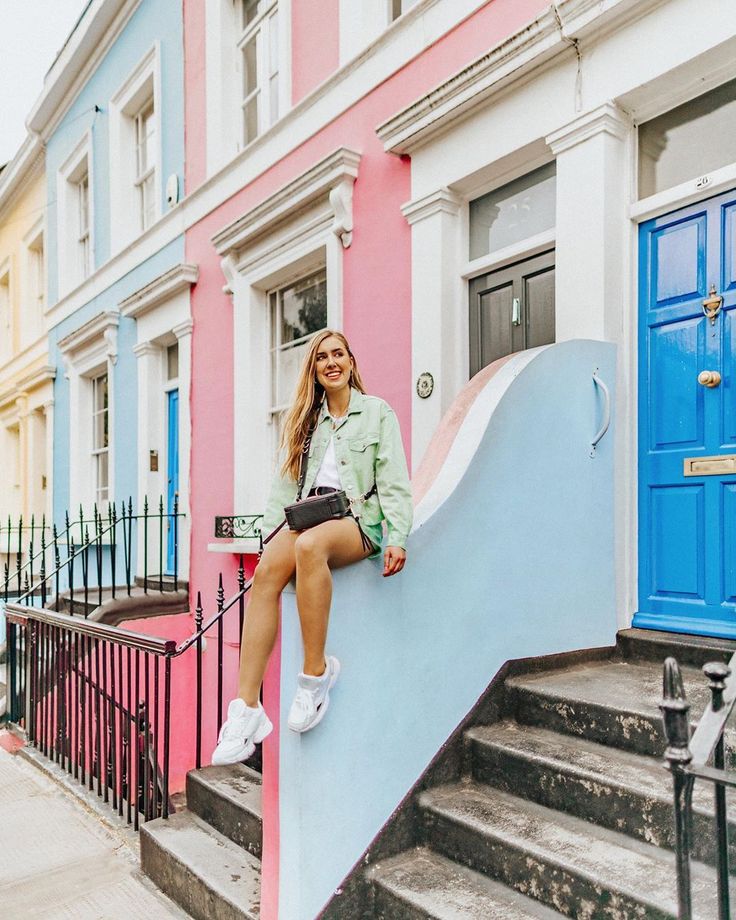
(701,757)
(239,526)
(111,551)
(96,699)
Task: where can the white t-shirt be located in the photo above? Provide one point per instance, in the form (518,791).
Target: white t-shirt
(328,475)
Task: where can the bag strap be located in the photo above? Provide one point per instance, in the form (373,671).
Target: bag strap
(305,462)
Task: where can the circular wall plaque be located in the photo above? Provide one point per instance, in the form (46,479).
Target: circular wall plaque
(425,385)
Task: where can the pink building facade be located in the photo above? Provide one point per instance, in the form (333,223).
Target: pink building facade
(315,195)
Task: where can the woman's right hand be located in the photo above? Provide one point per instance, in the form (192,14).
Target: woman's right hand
(393,560)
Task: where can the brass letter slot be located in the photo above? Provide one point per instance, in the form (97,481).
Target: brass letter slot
(723,465)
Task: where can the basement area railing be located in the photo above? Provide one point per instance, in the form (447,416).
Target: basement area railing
(110,553)
(96,699)
(702,757)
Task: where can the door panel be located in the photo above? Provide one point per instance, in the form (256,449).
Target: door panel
(539,296)
(676,353)
(687,524)
(511,309)
(678,262)
(496,330)
(729,523)
(679,525)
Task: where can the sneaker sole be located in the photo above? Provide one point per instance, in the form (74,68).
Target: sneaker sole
(247,750)
(325,702)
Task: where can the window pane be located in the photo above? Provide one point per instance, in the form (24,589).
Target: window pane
(102,475)
(251,9)
(250,115)
(172,362)
(289,364)
(250,67)
(400,6)
(273,44)
(304,307)
(101,393)
(689,141)
(513,212)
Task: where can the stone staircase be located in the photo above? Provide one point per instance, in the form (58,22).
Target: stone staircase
(550,800)
(207,858)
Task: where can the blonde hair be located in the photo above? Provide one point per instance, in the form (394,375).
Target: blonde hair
(307,401)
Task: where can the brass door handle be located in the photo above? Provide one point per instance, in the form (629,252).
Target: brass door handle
(709,379)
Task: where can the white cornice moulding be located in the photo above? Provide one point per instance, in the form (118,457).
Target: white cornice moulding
(32,381)
(606,119)
(103,326)
(508,63)
(143,349)
(161,289)
(183,329)
(441,201)
(334,171)
(90,40)
(24,166)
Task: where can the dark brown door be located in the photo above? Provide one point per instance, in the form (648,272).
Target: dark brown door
(511,309)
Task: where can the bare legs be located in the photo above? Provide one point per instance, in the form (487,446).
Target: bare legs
(310,554)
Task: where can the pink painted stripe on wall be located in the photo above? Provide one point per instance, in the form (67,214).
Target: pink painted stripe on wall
(315,42)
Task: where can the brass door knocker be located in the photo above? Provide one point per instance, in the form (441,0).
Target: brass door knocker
(712,305)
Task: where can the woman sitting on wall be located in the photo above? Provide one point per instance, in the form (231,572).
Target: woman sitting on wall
(335,438)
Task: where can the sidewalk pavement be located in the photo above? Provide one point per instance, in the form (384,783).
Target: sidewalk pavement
(58,860)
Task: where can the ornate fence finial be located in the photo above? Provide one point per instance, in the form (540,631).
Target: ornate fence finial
(717,672)
(675,713)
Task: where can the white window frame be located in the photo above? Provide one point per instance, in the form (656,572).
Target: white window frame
(98,451)
(87,353)
(224,76)
(276,349)
(6,310)
(128,106)
(254,429)
(76,250)
(261,31)
(34,244)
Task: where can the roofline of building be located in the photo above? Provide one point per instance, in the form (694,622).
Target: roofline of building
(82,51)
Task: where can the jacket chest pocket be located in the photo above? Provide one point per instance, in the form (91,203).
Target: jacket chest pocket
(361,445)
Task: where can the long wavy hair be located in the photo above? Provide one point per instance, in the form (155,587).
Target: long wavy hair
(307,402)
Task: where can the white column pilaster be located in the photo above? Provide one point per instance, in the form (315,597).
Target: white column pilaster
(48,411)
(593,182)
(150,426)
(437,330)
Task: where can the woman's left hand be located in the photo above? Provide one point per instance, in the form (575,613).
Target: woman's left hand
(393,560)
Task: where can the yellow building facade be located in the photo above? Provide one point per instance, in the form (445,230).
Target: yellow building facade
(26,378)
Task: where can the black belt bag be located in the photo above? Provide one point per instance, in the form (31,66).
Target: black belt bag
(316,509)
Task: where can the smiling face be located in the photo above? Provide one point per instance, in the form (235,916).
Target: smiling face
(333,365)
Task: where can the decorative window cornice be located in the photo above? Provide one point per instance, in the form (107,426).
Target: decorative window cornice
(441,201)
(606,119)
(27,384)
(556,31)
(161,289)
(97,338)
(331,179)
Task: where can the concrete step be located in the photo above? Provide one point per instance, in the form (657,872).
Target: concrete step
(625,792)
(208,875)
(229,799)
(421,884)
(611,702)
(652,645)
(577,868)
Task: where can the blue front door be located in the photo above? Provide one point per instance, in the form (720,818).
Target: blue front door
(687,504)
(172,464)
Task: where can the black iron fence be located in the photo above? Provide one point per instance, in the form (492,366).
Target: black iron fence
(114,550)
(96,699)
(702,757)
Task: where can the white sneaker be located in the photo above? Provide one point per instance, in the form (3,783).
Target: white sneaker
(246,726)
(313,697)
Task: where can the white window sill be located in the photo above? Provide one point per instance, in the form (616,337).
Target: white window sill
(247,545)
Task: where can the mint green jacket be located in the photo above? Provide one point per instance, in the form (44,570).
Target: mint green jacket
(368,448)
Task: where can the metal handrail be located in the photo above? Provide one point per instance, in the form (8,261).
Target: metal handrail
(687,759)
